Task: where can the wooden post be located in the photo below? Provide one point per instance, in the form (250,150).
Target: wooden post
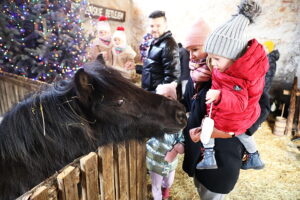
(40,194)
(290,119)
(297,135)
(106,173)
(141,171)
(132,169)
(67,183)
(89,178)
(123,172)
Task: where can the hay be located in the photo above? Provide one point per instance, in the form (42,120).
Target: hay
(280,179)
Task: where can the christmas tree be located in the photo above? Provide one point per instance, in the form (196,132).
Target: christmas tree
(42,39)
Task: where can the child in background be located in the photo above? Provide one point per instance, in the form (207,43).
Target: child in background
(238,74)
(123,54)
(144,46)
(161,158)
(102,44)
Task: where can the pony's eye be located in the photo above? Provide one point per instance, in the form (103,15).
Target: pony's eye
(120,102)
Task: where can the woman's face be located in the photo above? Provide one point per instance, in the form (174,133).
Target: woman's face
(220,63)
(196,53)
(199,72)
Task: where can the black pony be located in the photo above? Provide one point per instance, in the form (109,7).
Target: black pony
(50,129)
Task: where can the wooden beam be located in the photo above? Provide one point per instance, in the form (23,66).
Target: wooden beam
(290,119)
(133,170)
(298,126)
(89,178)
(123,171)
(141,171)
(106,172)
(67,183)
(288,92)
(40,194)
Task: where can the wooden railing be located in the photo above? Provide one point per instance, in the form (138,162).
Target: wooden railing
(14,88)
(113,172)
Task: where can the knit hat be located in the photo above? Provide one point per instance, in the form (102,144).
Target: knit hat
(120,33)
(197,33)
(229,40)
(269,45)
(103,24)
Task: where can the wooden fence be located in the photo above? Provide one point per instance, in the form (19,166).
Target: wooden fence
(13,88)
(113,172)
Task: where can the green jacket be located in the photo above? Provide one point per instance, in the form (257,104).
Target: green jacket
(157,148)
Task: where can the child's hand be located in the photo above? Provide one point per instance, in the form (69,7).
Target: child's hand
(129,65)
(212,95)
(104,54)
(179,147)
(195,134)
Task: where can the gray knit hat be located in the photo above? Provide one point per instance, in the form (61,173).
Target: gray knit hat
(229,40)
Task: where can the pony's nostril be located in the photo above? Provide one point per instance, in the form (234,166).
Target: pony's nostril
(181,117)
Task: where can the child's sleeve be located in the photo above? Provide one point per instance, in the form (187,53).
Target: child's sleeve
(180,137)
(235,99)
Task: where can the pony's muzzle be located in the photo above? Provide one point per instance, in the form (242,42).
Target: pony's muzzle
(181,118)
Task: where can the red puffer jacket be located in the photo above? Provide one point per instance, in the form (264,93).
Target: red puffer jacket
(241,87)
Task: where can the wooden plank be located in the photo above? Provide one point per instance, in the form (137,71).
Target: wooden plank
(141,171)
(8,95)
(1,98)
(67,183)
(40,194)
(5,103)
(132,169)
(123,172)
(116,172)
(107,173)
(17,95)
(288,92)
(290,119)
(89,178)
(53,193)
(298,126)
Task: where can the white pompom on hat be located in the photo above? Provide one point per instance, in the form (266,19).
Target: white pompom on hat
(103,24)
(120,33)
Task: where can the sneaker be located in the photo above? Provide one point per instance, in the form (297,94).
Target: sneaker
(208,161)
(165,193)
(252,161)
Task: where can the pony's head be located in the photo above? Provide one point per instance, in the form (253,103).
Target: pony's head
(120,110)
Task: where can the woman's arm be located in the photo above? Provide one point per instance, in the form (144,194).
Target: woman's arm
(196,132)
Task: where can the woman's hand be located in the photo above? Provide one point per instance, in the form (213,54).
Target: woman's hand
(195,134)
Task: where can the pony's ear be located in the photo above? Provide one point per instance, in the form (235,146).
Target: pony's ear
(84,86)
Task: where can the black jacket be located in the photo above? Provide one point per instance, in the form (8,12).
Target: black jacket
(162,64)
(273,56)
(184,57)
(228,152)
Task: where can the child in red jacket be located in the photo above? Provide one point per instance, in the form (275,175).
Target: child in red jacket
(238,73)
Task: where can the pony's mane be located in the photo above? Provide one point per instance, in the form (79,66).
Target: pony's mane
(46,117)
